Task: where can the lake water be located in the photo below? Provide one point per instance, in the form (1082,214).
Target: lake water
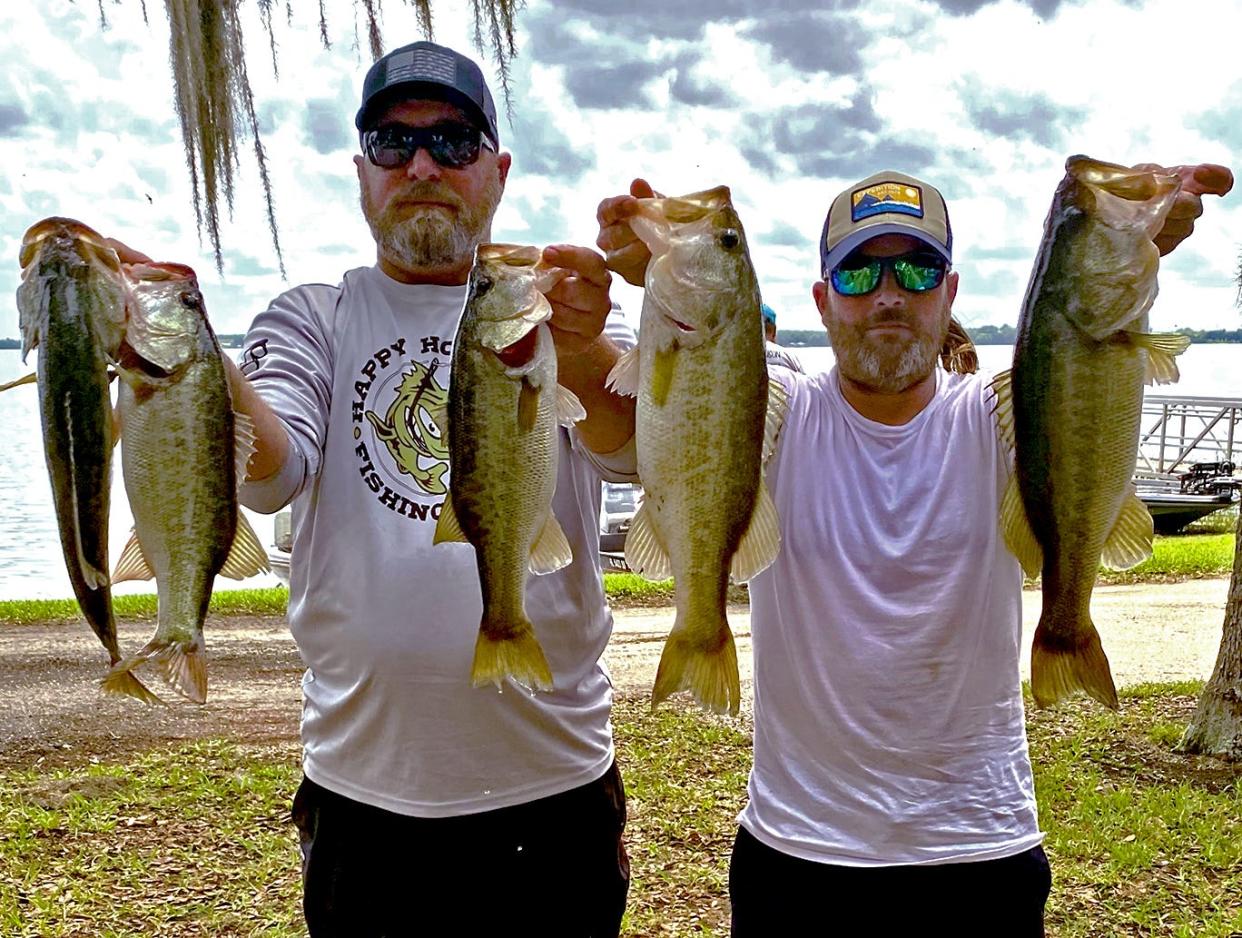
(31,563)
(32,567)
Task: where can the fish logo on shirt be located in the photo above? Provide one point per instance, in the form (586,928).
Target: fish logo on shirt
(409,431)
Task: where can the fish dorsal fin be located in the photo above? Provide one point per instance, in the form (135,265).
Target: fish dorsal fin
(761,542)
(132,564)
(644,553)
(774,418)
(569,409)
(244,437)
(31,378)
(1162,351)
(551,551)
(1019,537)
(1002,407)
(246,555)
(1129,542)
(623,378)
(448,528)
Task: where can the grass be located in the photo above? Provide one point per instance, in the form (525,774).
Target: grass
(257,602)
(194,840)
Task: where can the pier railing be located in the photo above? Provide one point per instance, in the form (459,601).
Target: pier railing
(1180,431)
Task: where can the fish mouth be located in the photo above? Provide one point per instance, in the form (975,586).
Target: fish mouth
(677,324)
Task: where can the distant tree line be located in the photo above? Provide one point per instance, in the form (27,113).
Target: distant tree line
(998,335)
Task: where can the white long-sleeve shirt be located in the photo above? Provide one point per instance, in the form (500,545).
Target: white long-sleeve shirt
(386,621)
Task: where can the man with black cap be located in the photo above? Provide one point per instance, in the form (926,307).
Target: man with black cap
(426,800)
(891,792)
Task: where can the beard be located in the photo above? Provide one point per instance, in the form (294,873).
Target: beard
(886,364)
(428,237)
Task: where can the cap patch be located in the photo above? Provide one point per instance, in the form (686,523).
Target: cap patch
(886,197)
(422,64)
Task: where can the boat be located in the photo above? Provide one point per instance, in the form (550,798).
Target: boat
(1174,501)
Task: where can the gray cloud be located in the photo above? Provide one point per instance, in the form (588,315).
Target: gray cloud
(327,128)
(785,234)
(540,147)
(612,86)
(543,223)
(12,118)
(1016,117)
(690,89)
(814,42)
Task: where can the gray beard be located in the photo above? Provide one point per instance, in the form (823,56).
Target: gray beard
(887,367)
(430,239)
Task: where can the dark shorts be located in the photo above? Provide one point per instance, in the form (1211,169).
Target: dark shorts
(554,867)
(776,894)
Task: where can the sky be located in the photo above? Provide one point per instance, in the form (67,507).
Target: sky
(787,102)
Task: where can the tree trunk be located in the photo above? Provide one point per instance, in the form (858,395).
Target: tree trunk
(1216,727)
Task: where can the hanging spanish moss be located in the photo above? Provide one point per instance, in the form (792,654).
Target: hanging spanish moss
(215,103)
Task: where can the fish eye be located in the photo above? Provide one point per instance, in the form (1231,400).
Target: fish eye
(192,299)
(482,285)
(729,239)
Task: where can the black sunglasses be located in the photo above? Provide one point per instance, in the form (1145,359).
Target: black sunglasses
(917,272)
(451,145)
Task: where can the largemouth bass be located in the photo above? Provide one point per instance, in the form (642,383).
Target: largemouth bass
(73,302)
(700,377)
(1082,356)
(502,418)
(182,455)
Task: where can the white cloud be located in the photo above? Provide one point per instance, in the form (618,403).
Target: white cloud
(992,101)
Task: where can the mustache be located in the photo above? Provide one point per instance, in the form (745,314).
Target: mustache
(427,191)
(907,319)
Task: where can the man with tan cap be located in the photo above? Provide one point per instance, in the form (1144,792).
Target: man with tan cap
(891,792)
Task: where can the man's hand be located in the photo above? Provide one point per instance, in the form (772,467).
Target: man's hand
(1197,181)
(580,300)
(623,250)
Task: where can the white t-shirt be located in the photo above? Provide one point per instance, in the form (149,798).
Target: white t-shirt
(889,724)
(386,621)
(779,355)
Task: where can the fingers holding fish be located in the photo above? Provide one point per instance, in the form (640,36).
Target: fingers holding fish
(1197,180)
(579,297)
(623,251)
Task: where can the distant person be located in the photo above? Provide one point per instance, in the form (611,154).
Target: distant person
(891,792)
(777,354)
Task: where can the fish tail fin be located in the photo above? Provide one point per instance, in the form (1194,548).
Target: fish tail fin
(709,672)
(1058,668)
(514,653)
(123,682)
(183,664)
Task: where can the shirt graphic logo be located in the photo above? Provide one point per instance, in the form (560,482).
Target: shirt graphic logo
(401,449)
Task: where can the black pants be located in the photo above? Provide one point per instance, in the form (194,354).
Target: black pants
(554,867)
(776,894)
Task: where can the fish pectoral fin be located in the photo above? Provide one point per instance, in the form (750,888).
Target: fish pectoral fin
(569,409)
(774,417)
(551,550)
(246,555)
(762,540)
(1129,542)
(1162,351)
(448,528)
(528,406)
(1016,527)
(132,564)
(244,437)
(32,378)
(1001,387)
(623,378)
(645,553)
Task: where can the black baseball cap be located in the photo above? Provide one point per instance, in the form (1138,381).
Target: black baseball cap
(428,70)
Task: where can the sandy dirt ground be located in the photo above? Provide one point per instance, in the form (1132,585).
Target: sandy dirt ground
(51,711)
